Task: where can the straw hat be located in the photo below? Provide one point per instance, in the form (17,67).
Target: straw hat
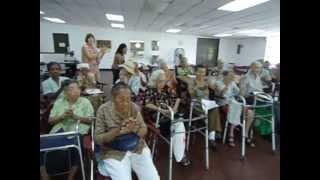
(128,66)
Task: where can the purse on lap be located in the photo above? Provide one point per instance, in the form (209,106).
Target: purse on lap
(125,142)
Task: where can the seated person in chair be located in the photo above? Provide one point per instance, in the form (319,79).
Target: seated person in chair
(157,92)
(228,89)
(116,119)
(87,81)
(184,68)
(171,81)
(53,83)
(250,83)
(199,89)
(64,115)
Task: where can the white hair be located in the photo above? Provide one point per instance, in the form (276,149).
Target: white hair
(155,77)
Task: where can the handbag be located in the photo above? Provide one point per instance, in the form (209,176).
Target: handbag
(125,142)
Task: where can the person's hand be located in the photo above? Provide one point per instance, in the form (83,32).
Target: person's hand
(164,111)
(129,125)
(68,114)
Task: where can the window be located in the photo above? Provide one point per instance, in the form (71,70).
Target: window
(272,53)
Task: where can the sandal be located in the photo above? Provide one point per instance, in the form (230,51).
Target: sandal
(250,142)
(185,162)
(231,142)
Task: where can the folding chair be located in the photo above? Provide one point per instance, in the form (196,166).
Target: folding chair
(63,141)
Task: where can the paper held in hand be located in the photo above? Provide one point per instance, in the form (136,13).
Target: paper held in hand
(207,104)
(94,91)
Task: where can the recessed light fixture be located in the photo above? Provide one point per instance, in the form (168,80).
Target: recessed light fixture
(115,25)
(114,17)
(55,20)
(41,12)
(238,5)
(173,30)
(222,35)
(252,32)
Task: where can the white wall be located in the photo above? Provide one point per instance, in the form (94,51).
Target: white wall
(168,42)
(253,49)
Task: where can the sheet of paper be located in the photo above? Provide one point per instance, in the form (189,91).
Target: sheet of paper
(207,104)
(94,91)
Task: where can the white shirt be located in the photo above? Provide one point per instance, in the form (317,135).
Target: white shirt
(250,83)
(229,94)
(51,86)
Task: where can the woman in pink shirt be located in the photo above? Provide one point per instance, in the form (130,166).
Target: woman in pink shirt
(91,55)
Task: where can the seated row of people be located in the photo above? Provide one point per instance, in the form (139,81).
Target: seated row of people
(121,116)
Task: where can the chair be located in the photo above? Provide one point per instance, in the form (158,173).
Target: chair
(63,141)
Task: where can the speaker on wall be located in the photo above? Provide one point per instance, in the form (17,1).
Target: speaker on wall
(239,48)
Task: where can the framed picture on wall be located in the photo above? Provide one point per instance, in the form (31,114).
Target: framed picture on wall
(104,43)
(155,45)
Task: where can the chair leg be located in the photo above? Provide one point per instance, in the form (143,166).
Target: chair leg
(243,140)
(273,132)
(207,144)
(225,132)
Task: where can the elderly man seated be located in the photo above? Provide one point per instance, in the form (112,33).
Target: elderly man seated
(250,83)
(64,115)
(53,83)
(120,132)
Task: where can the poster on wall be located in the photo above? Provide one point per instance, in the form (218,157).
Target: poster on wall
(104,43)
(137,48)
(155,45)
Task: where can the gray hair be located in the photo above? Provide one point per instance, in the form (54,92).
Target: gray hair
(162,63)
(155,77)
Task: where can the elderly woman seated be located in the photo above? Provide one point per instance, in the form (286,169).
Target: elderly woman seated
(228,89)
(128,75)
(87,81)
(250,83)
(199,89)
(64,115)
(158,92)
(120,131)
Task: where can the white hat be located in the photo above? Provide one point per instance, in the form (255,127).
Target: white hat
(83,66)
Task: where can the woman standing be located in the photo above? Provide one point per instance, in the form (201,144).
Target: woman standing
(91,55)
(118,59)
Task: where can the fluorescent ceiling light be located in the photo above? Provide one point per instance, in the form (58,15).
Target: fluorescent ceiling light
(253,32)
(41,12)
(114,17)
(136,41)
(238,5)
(222,35)
(114,25)
(55,20)
(173,30)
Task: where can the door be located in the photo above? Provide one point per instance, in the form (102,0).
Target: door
(207,51)
(60,42)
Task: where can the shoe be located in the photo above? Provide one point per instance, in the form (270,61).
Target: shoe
(231,142)
(250,142)
(185,162)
